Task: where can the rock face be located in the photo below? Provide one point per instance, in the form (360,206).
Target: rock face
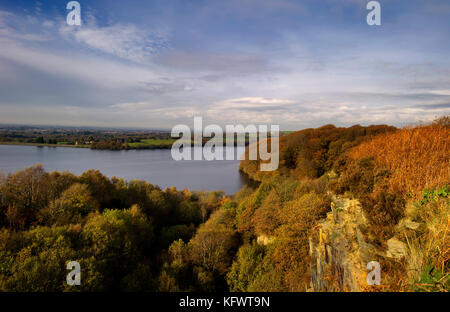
(339,252)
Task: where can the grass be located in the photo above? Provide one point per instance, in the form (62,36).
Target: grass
(152,143)
(429,249)
(418,158)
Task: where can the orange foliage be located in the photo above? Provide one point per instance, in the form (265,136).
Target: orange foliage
(417,157)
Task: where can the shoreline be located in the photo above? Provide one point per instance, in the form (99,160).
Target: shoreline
(43,144)
(149,147)
(83,146)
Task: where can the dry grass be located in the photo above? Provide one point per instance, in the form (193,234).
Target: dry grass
(430,248)
(417,157)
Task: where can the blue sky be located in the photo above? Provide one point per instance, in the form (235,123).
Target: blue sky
(155,64)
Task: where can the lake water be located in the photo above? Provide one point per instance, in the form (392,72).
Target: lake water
(154,166)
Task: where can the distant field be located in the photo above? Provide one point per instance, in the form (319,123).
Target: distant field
(151,142)
(115,144)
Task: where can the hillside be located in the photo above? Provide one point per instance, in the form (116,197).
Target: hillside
(396,183)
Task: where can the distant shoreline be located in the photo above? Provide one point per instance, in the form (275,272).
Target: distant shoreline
(148,147)
(43,144)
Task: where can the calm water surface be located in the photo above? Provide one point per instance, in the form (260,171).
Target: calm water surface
(154,166)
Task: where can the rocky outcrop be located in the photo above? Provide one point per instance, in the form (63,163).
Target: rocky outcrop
(339,251)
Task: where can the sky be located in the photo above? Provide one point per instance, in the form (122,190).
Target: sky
(158,63)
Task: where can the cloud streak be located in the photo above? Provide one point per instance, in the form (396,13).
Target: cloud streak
(122,40)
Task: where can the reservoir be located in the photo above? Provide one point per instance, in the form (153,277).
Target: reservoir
(154,166)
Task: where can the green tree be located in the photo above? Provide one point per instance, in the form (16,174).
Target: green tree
(74,203)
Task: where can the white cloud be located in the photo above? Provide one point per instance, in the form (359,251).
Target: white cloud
(48,24)
(440,92)
(239,110)
(133,106)
(123,40)
(253,103)
(95,70)
(7,30)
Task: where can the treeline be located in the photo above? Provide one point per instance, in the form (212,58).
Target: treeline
(115,144)
(310,153)
(94,138)
(153,143)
